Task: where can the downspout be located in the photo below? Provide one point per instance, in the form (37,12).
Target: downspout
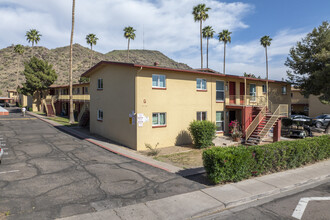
(135,105)
(211,98)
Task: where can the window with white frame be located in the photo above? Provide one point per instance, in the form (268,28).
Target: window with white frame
(284,90)
(253,92)
(100,84)
(220,91)
(158,81)
(100,115)
(201,116)
(219,121)
(201,84)
(159,119)
(264,88)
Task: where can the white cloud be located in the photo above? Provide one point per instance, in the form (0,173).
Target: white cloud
(168,26)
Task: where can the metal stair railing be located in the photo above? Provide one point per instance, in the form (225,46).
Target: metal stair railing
(254,124)
(282,110)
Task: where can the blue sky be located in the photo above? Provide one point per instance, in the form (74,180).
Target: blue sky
(169,27)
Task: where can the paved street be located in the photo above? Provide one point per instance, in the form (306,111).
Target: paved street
(282,206)
(48,174)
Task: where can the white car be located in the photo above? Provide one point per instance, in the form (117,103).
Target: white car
(1,153)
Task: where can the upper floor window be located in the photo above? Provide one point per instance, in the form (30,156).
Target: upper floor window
(85,90)
(264,88)
(284,90)
(159,119)
(220,91)
(201,116)
(201,84)
(100,84)
(78,91)
(158,81)
(253,92)
(100,115)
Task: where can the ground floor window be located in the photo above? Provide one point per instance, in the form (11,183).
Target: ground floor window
(219,120)
(159,119)
(201,116)
(100,115)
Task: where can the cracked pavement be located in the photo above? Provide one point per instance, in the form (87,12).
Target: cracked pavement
(58,175)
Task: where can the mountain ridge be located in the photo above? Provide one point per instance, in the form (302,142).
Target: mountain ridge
(59,58)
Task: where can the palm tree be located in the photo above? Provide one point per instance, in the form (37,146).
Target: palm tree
(33,36)
(91,39)
(225,37)
(70,70)
(200,14)
(129,34)
(208,33)
(19,49)
(265,42)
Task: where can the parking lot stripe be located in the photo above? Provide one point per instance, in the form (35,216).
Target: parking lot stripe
(10,171)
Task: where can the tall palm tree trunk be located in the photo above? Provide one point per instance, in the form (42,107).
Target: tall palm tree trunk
(91,56)
(71,39)
(128,50)
(32,51)
(17,72)
(224,58)
(207,54)
(200,31)
(266,76)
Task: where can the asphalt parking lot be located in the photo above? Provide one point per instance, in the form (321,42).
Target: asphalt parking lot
(46,174)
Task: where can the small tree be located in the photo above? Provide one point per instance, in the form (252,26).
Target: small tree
(39,76)
(83,79)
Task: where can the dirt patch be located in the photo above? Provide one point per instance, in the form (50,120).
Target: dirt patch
(190,159)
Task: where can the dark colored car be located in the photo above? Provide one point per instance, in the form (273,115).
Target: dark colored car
(303,118)
(321,120)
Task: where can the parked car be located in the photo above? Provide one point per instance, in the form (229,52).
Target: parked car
(321,120)
(1,153)
(300,131)
(303,118)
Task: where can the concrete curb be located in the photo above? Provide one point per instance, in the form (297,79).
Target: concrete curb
(215,199)
(112,147)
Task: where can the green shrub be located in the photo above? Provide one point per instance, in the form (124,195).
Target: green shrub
(232,164)
(203,132)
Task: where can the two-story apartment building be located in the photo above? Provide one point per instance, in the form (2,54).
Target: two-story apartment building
(136,104)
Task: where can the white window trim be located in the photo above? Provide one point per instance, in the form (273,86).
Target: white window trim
(201,84)
(99,84)
(158,82)
(158,115)
(224,94)
(98,115)
(224,118)
(255,86)
(200,112)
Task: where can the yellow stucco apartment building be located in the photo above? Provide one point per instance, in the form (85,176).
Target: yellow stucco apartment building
(136,105)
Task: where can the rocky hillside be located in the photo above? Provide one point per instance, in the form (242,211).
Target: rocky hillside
(11,63)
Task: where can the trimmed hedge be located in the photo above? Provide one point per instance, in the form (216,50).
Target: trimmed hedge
(232,164)
(203,133)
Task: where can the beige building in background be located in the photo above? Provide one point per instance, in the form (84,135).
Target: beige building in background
(310,106)
(136,105)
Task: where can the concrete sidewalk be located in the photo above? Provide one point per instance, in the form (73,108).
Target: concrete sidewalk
(214,199)
(117,149)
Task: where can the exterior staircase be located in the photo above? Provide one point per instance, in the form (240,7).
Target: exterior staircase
(262,123)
